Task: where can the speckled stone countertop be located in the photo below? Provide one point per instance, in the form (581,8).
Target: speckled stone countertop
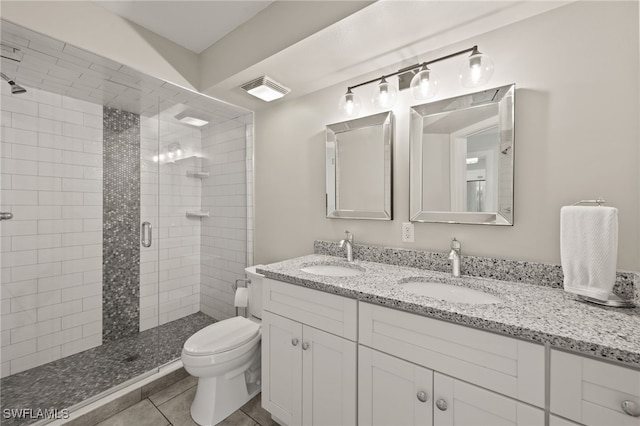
(527,311)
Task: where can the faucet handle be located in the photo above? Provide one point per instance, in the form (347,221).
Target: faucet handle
(349,236)
(455,244)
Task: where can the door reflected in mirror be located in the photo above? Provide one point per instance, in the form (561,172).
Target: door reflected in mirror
(461,155)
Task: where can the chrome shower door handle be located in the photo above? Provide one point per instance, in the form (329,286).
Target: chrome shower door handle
(6,215)
(146,234)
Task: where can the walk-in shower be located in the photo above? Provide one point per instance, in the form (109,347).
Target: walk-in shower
(91,151)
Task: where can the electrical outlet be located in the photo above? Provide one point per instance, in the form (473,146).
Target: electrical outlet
(407,232)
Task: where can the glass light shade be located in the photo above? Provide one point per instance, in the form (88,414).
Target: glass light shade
(384,95)
(349,103)
(423,85)
(476,70)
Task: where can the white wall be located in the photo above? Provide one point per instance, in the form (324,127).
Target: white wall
(576,70)
(52,249)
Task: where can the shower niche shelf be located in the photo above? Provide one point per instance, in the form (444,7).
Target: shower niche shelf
(197,214)
(197,174)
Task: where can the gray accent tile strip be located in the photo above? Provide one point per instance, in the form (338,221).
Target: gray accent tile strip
(121,213)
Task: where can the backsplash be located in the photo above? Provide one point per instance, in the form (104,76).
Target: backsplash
(627,283)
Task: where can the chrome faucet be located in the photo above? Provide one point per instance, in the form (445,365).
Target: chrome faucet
(348,241)
(455,257)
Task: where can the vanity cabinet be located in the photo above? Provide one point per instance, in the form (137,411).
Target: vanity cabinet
(421,370)
(392,391)
(593,392)
(308,356)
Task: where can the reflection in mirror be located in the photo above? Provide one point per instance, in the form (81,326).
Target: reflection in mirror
(461,159)
(358,165)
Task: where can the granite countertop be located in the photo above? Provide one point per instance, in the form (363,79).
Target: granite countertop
(527,311)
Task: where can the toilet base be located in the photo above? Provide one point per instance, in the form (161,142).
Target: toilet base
(218,397)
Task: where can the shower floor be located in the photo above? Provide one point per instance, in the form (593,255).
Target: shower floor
(71,380)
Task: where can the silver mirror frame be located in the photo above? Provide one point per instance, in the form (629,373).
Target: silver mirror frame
(504,97)
(333,131)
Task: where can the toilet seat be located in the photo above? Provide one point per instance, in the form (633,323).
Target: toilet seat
(222,336)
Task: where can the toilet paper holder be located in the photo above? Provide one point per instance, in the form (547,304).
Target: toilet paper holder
(235,287)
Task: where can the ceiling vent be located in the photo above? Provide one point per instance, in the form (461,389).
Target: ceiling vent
(265,88)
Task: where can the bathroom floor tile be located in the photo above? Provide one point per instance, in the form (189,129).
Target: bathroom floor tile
(254,410)
(174,390)
(143,413)
(177,409)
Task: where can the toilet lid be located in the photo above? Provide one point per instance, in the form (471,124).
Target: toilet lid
(222,336)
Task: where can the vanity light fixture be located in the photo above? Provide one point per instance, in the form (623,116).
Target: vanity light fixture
(385,95)
(476,71)
(265,88)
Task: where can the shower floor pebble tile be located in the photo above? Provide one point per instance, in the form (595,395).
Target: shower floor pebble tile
(68,381)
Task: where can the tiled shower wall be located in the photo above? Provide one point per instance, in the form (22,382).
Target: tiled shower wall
(170,288)
(51,177)
(224,234)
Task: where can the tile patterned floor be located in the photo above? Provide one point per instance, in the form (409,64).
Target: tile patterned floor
(68,381)
(170,407)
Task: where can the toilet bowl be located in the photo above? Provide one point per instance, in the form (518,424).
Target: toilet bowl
(225,357)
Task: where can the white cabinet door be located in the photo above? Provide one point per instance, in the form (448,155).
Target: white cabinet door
(282,368)
(328,379)
(592,392)
(308,375)
(559,421)
(462,404)
(388,391)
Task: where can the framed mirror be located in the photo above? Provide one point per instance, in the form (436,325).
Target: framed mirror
(461,159)
(358,168)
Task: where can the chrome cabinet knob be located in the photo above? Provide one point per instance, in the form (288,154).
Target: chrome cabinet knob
(422,396)
(294,341)
(630,408)
(305,346)
(441,404)
(6,215)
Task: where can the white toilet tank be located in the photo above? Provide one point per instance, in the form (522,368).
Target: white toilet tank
(255,291)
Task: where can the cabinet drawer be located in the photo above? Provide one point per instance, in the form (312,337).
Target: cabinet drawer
(329,312)
(499,363)
(592,392)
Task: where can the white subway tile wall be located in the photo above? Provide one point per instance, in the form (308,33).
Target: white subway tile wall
(227,151)
(51,179)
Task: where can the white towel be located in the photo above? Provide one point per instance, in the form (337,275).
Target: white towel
(589,249)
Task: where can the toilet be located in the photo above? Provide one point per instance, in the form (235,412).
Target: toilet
(225,357)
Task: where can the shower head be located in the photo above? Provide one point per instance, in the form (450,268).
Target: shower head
(16,89)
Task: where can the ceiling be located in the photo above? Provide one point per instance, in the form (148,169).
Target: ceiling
(347,44)
(194,25)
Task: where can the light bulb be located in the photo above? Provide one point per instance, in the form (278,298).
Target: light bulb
(385,95)
(349,103)
(178,152)
(477,70)
(155,158)
(161,157)
(170,155)
(424,85)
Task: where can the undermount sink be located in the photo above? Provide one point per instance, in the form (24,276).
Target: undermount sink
(450,292)
(332,270)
